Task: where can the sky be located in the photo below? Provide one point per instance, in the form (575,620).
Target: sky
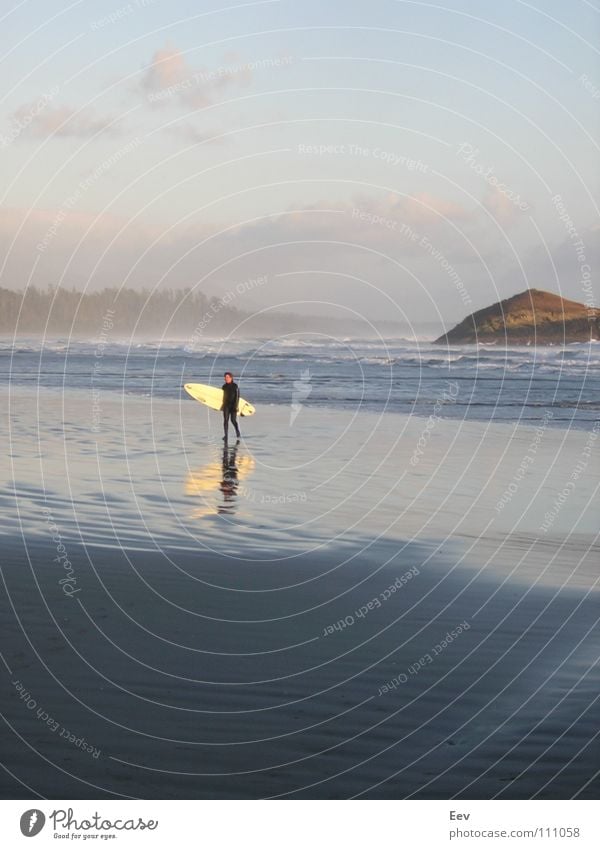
(387,159)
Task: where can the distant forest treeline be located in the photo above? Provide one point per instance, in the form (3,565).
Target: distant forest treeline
(173,313)
(170,313)
(70,312)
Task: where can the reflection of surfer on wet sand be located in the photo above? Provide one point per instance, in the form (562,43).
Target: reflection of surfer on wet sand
(216,483)
(229,484)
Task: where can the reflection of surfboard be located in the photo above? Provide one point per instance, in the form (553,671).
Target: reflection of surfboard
(209,477)
(212,396)
(207,481)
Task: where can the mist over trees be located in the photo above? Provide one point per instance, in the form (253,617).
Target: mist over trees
(68,312)
(170,313)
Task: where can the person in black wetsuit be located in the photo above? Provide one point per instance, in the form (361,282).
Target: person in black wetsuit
(231,397)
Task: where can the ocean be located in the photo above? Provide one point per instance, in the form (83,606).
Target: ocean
(489,383)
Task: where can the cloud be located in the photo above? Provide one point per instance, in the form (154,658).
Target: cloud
(427,207)
(29,121)
(388,223)
(382,224)
(170,79)
(167,68)
(502,208)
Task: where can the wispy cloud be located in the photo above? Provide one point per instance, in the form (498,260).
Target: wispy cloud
(501,207)
(59,121)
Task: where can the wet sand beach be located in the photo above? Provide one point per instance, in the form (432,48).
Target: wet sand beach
(319,612)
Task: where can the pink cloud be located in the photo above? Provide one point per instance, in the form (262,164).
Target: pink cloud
(425,206)
(169,78)
(502,208)
(167,68)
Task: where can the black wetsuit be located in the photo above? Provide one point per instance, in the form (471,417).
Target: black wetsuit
(231,397)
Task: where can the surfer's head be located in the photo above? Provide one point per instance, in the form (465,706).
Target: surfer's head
(228,377)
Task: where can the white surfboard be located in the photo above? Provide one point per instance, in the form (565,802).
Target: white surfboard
(212,396)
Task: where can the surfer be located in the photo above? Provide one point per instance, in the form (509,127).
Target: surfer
(231,397)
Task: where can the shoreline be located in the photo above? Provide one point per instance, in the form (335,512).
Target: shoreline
(93,394)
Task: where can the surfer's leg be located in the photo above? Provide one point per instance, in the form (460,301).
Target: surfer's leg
(225,422)
(234,421)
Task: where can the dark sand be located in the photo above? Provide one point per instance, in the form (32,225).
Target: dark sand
(200,677)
